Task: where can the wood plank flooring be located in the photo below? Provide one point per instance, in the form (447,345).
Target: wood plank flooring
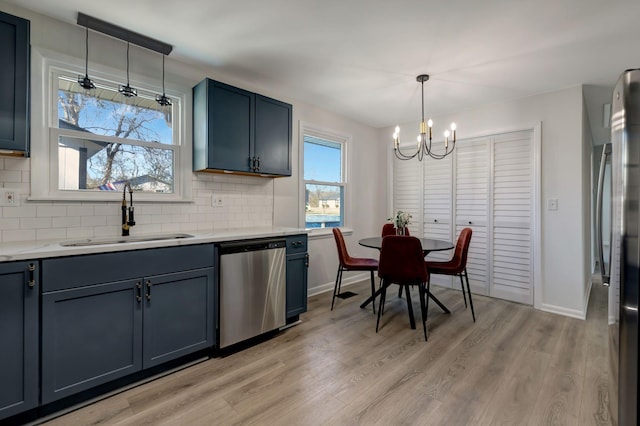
(514,366)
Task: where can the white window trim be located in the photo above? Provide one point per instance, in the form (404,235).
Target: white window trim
(345,141)
(44,158)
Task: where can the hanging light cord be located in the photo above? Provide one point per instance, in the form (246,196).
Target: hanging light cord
(127,63)
(86,52)
(163,92)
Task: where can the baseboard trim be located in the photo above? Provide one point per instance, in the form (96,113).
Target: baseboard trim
(323,288)
(560,310)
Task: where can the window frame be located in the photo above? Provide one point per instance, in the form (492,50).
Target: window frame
(46,67)
(344,141)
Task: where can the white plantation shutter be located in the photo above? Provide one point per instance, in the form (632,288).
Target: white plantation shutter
(407,191)
(473,165)
(512,266)
(438,207)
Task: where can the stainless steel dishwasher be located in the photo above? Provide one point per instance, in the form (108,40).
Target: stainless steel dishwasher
(252,289)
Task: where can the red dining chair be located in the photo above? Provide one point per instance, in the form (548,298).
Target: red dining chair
(457,265)
(348,263)
(389,229)
(402,262)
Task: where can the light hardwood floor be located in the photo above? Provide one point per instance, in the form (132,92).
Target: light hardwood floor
(514,366)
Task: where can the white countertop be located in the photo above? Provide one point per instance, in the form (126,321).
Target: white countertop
(32,250)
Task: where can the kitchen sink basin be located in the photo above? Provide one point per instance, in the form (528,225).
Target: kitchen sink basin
(122,240)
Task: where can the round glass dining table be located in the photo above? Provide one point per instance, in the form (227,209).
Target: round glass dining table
(428,245)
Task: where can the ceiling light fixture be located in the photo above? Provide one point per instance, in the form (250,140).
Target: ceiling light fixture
(162,99)
(424,145)
(85,82)
(127,90)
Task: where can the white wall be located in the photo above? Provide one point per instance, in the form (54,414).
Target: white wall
(564,250)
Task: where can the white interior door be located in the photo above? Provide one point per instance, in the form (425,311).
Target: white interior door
(438,207)
(472,174)
(407,191)
(512,245)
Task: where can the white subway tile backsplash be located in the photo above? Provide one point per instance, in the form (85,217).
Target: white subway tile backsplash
(247,202)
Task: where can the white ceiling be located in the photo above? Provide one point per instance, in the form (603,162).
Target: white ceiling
(359,58)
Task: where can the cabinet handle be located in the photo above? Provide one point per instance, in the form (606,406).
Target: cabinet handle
(470,223)
(435,220)
(306,260)
(252,163)
(148,290)
(32,279)
(258,168)
(139,291)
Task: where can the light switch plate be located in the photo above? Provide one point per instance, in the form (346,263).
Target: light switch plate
(552,204)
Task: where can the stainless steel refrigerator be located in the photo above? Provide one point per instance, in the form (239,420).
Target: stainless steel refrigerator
(623,277)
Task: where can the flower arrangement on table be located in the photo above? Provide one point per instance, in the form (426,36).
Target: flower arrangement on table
(400,221)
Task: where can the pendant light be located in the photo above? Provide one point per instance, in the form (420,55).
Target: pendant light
(85,82)
(127,90)
(424,142)
(162,99)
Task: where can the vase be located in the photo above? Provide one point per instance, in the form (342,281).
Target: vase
(400,230)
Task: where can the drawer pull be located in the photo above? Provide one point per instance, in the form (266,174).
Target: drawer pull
(139,291)
(306,260)
(148,290)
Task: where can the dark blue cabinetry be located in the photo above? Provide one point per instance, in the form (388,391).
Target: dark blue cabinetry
(14,85)
(19,335)
(106,316)
(297,267)
(240,131)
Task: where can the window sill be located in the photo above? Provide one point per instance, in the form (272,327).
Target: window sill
(320,233)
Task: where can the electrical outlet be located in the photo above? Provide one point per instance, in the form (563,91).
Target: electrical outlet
(216,200)
(8,198)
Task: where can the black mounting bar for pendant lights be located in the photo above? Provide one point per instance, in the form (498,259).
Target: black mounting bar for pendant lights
(123,34)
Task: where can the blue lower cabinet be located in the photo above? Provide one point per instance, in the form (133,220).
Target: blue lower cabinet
(90,336)
(19,334)
(297,272)
(178,315)
(94,333)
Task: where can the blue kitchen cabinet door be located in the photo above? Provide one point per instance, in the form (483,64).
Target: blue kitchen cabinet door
(14,85)
(91,335)
(19,334)
(179,313)
(223,126)
(272,146)
(297,273)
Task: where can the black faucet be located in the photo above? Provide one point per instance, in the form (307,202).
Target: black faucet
(127,219)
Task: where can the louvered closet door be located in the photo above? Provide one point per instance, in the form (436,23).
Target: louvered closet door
(472,171)
(407,191)
(512,266)
(438,187)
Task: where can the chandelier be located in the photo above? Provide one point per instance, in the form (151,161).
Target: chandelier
(424,141)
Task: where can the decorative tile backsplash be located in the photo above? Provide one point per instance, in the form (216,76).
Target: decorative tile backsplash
(246,202)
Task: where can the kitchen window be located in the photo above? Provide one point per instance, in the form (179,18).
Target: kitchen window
(98,140)
(324,182)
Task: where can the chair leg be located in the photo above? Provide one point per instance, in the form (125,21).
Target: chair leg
(336,287)
(426,298)
(400,292)
(424,318)
(466,276)
(373,292)
(412,321)
(463,292)
(383,296)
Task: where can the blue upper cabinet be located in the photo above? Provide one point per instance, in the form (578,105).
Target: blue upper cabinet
(14,85)
(240,131)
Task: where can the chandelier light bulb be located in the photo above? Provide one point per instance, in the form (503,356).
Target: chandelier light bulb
(430,123)
(453,127)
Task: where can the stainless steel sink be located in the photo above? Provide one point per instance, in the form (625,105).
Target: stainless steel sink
(121,240)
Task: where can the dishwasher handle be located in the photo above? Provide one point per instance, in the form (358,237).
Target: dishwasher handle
(250,245)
